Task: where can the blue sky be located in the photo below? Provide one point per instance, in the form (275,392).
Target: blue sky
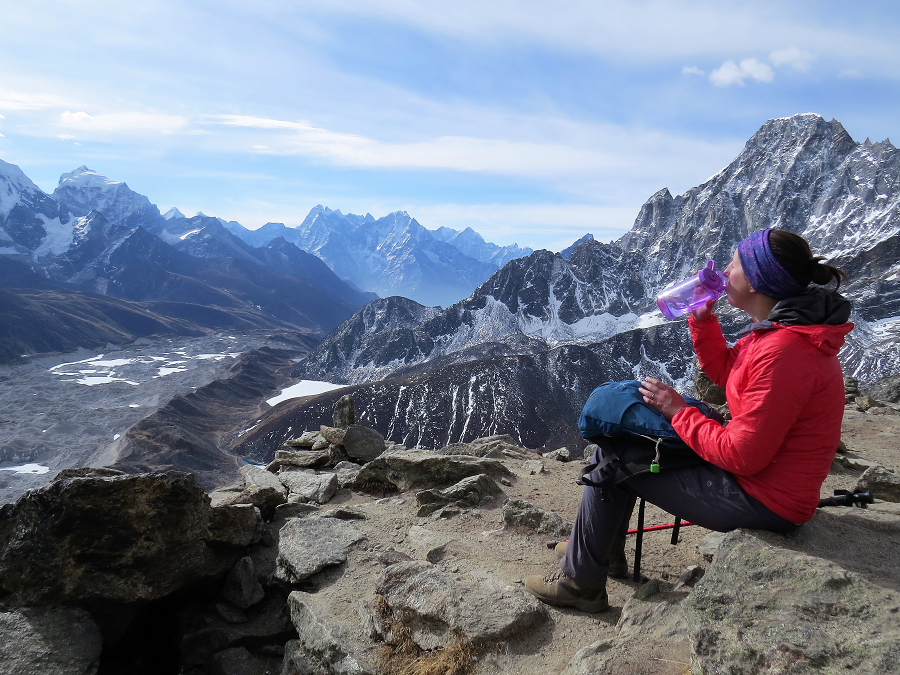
(531,122)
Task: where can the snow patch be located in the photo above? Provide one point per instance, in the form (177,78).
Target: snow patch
(303,388)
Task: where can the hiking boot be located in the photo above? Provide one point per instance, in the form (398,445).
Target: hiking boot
(618,563)
(559,590)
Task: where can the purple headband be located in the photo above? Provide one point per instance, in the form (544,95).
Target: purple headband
(763,271)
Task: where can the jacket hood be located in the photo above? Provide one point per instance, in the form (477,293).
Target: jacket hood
(814,306)
(819,315)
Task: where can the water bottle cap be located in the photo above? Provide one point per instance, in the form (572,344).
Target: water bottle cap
(711,277)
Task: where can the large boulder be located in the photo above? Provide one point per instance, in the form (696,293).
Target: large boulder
(420,468)
(120,538)
(49,640)
(308,545)
(468,492)
(309,486)
(802,603)
(344,412)
(439,609)
(363,444)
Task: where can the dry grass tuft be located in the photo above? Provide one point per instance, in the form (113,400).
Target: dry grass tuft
(405,657)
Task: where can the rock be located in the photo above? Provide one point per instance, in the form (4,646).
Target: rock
(309,485)
(649,624)
(287,511)
(392,557)
(266,498)
(705,389)
(254,475)
(301,459)
(560,455)
(884,410)
(363,444)
(346,473)
(332,434)
(321,443)
(241,586)
(323,642)
(853,462)
(589,451)
(344,412)
(470,491)
(230,613)
(403,471)
(519,513)
(427,545)
(689,577)
(708,546)
(343,513)
(439,610)
(204,632)
(122,538)
(851,385)
(49,640)
(533,467)
(235,525)
(801,603)
(881,482)
(239,661)
(306,440)
(886,389)
(308,545)
(865,403)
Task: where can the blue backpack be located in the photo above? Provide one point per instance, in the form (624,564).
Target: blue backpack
(632,435)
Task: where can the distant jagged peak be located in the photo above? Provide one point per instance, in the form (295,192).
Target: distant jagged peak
(173,213)
(567,252)
(13,185)
(85,177)
(15,176)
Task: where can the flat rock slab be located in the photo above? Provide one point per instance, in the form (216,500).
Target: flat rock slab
(323,643)
(310,486)
(791,604)
(439,609)
(417,468)
(308,545)
(467,492)
(651,625)
(45,640)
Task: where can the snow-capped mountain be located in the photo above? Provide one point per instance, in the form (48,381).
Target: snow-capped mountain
(800,173)
(393,255)
(97,235)
(472,244)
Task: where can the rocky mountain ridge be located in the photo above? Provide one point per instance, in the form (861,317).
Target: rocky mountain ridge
(800,173)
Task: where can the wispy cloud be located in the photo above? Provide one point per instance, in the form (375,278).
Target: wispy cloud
(25,101)
(735,73)
(796,58)
(82,124)
(692,70)
(449,152)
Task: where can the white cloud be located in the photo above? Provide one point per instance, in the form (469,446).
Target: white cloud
(459,153)
(16,101)
(121,123)
(692,70)
(796,58)
(732,73)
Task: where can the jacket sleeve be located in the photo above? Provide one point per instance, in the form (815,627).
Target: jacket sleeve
(715,356)
(770,405)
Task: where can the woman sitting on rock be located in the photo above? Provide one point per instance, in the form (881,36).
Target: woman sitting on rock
(764,470)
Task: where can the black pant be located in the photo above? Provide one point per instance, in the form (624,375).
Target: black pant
(702,494)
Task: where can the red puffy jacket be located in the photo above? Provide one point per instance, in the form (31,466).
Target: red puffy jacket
(785,391)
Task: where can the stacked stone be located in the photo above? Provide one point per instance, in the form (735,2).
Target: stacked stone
(851,390)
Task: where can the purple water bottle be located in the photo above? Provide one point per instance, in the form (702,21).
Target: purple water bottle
(685,296)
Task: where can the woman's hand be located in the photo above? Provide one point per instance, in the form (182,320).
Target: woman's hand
(704,312)
(662,397)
